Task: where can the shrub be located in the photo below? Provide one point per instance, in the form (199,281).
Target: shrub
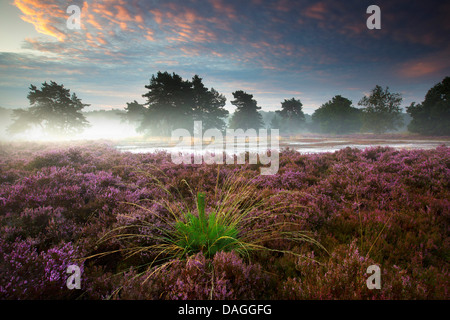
(29,274)
(225,276)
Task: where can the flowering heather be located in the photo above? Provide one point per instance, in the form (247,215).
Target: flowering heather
(377,206)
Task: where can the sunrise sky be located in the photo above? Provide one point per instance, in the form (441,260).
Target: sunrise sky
(275,50)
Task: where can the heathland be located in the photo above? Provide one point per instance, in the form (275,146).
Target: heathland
(133,224)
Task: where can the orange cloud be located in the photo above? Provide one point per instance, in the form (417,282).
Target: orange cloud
(139,19)
(224,8)
(91,18)
(157,15)
(45,17)
(184,24)
(149,35)
(122,13)
(101,40)
(111,13)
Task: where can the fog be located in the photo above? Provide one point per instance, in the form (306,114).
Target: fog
(109,125)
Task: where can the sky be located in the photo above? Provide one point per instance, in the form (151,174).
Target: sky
(275,50)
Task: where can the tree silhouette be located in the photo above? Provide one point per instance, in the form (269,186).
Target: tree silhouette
(53,109)
(382,110)
(276,122)
(292,116)
(246,115)
(432,116)
(208,105)
(134,113)
(174,103)
(337,116)
(168,104)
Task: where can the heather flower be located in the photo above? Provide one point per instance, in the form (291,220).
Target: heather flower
(374,206)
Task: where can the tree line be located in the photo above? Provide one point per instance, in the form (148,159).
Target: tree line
(172,103)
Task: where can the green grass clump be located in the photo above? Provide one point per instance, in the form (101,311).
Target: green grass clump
(205,234)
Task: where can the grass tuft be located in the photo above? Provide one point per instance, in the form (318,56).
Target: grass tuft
(240,219)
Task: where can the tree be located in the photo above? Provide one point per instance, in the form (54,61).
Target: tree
(382,110)
(53,109)
(292,116)
(432,116)
(246,115)
(168,104)
(208,105)
(276,122)
(174,103)
(134,112)
(337,116)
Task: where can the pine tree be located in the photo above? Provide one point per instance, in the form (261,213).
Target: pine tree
(292,116)
(246,115)
(208,105)
(168,104)
(53,109)
(174,103)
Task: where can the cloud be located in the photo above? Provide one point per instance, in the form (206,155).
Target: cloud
(45,16)
(216,28)
(317,11)
(224,8)
(436,64)
(278,46)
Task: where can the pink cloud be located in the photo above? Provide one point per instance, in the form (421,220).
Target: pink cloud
(316,11)
(283,5)
(433,64)
(224,8)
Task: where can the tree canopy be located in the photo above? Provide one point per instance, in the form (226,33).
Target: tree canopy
(208,105)
(134,112)
(246,115)
(53,109)
(432,116)
(337,116)
(291,114)
(174,103)
(167,104)
(382,110)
